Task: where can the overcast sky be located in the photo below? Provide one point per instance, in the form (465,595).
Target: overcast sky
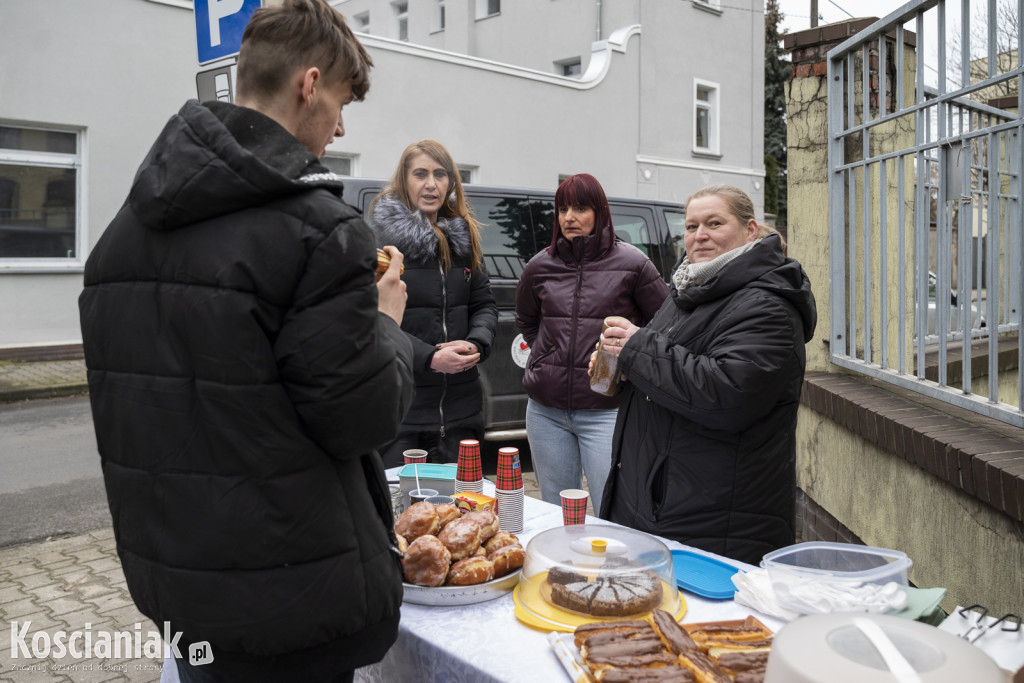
(798,12)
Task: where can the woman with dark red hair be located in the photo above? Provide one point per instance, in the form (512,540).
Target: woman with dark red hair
(565,293)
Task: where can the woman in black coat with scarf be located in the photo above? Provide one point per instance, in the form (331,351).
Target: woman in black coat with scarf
(450,316)
(705,442)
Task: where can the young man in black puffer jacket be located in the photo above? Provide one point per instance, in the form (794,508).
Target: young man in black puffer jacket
(243,365)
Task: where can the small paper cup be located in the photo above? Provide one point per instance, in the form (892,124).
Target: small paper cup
(414,455)
(574,506)
(441,500)
(419,495)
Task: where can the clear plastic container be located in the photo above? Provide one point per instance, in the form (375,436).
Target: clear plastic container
(587,572)
(605,376)
(819,577)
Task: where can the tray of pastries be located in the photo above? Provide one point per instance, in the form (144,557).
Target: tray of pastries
(593,572)
(450,558)
(658,648)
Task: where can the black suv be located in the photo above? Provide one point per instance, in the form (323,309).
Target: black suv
(517,223)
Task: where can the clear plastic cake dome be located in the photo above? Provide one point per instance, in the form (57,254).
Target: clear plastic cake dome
(590,572)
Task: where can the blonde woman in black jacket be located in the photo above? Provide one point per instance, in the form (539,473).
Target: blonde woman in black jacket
(450,316)
(705,443)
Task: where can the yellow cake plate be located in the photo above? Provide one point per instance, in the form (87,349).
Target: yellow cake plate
(534,608)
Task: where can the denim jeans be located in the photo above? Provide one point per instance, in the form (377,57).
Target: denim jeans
(565,444)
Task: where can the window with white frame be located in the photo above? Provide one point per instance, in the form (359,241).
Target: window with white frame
(714,5)
(342,164)
(40,194)
(705,122)
(361,22)
(401,10)
(467,174)
(487,8)
(439,16)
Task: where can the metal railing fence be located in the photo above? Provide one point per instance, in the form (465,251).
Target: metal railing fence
(926,146)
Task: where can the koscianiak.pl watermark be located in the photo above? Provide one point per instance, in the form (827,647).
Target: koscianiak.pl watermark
(70,648)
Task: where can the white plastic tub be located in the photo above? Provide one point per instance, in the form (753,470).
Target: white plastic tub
(821,577)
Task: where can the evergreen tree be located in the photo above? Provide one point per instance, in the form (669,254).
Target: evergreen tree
(776,74)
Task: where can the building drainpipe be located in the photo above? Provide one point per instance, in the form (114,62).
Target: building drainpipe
(598,26)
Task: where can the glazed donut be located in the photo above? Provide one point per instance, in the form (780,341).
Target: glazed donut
(481,551)
(500,540)
(419,519)
(427,561)
(471,571)
(447,512)
(384,262)
(507,559)
(461,537)
(487,520)
(403,544)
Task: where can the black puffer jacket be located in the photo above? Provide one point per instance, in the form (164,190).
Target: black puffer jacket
(704,447)
(240,376)
(441,307)
(561,301)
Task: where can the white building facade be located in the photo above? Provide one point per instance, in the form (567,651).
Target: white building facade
(655,98)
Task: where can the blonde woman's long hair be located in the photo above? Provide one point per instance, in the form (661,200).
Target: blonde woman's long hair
(455,205)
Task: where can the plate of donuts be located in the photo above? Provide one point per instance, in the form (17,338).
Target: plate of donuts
(451,558)
(451,596)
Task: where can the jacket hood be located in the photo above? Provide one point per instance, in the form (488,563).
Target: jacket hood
(204,164)
(764,267)
(410,232)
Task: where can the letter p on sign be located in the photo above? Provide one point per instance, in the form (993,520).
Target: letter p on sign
(220,25)
(218,9)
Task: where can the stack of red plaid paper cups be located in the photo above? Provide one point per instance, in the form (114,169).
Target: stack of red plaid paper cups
(469,476)
(509,490)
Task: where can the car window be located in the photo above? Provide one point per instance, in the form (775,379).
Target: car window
(542,214)
(672,249)
(505,235)
(636,226)
(632,230)
(366,196)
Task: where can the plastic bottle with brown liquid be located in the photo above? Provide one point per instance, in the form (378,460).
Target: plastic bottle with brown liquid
(605,377)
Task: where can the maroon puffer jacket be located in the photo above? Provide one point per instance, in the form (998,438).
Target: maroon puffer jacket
(561,301)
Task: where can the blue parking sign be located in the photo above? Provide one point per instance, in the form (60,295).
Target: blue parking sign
(220,25)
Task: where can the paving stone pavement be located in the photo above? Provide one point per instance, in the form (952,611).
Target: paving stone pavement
(41,379)
(68,584)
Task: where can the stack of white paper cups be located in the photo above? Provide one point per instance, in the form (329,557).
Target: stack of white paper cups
(509,491)
(469,475)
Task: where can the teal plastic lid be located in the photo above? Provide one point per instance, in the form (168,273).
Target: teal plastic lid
(428,470)
(703,575)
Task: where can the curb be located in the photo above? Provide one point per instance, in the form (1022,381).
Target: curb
(9,395)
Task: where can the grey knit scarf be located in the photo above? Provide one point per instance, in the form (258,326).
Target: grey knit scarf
(693,274)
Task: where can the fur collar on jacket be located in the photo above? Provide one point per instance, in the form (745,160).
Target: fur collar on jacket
(411,233)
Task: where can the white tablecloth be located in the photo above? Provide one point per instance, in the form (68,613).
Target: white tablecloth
(485,642)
